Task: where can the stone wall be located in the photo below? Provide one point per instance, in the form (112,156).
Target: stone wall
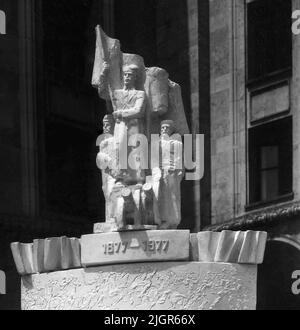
(295,101)
(221,114)
(10,145)
(198,29)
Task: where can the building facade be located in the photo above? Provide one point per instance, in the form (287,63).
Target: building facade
(254,98)
(237,62)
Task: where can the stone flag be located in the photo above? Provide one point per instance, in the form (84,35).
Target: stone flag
(108,56)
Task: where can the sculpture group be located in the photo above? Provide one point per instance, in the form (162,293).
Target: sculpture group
(144,104)
(140,156)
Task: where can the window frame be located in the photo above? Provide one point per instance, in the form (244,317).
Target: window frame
(283,73)
(253,169)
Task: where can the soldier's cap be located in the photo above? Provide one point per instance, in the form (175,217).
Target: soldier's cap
(131,68)
(168,122)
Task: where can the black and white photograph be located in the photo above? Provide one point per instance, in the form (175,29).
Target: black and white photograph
(149,157)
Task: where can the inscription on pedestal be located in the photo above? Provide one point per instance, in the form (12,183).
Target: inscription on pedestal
(136,246)
(122,247)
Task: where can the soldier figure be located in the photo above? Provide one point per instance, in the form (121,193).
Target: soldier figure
(167,178)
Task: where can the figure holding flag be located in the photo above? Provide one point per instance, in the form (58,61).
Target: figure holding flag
(120,78)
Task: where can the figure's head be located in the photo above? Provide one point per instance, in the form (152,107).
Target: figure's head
(130,74)
(167,128)
(108,124)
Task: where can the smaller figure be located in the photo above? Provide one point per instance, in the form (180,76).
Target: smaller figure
(106,160)
(167,178)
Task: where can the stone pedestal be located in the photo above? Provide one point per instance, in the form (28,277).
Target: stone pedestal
(134,246)
(144,286)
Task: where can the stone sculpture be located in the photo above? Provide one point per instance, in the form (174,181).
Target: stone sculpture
(123,255)
(129,110)
(136,195)
(167,177)
(106,160)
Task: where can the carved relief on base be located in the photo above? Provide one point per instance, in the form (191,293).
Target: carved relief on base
(144,286)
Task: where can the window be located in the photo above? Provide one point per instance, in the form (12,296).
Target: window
(269,172)
(270,160)
(269,37)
